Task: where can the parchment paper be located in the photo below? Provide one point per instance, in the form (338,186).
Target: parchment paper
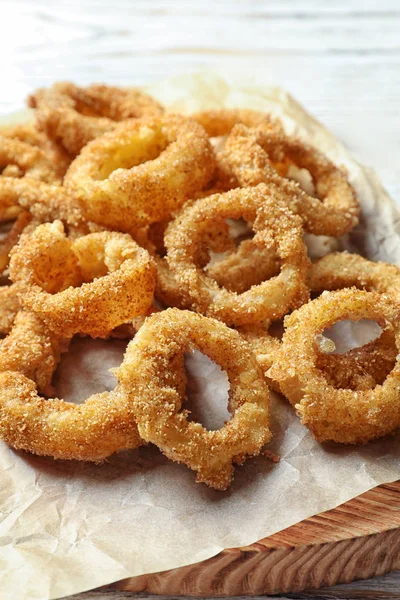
(68,527)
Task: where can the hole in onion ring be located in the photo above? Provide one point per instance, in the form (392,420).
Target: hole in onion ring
(303,178)
(347,335)
(87,110)
(276,329)
(320,245)
(232,272)
(356,355)
(245,264)
(239,230)
(5,228)
(207,397)
(84,361)
(218,143)
(128,155)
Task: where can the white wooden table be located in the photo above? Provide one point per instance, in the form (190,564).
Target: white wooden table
(341,59)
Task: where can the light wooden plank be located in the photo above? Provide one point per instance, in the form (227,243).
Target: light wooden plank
(291,8)
(200,33)
(114,31)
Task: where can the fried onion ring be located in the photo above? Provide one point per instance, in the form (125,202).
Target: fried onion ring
(253,156)
(116,279)
(91,431)
(341,415)
(141,172)
(32,350)
(73,116)
(275,227)
(340,270)
(153,377)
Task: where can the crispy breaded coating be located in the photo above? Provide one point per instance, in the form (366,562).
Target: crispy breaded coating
(153,376)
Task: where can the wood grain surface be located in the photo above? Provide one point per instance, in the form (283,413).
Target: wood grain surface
(356,540)
(341,59)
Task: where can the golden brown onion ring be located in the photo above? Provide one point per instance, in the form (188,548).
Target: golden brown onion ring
(339,270)
(141,172)
(275,227)
(340,415)
(73,116)
(91,431)
(90,286)
(153,378)
(253,156)
(168,290)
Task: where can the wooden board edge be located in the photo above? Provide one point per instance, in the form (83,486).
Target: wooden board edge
(280,570)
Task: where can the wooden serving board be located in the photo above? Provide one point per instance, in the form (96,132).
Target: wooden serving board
(357,540)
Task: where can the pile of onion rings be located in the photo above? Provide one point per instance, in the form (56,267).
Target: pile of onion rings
(182,232)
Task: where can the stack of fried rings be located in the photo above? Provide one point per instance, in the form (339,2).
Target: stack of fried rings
(114,210)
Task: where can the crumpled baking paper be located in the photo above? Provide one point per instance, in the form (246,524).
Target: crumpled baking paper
(68,527)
